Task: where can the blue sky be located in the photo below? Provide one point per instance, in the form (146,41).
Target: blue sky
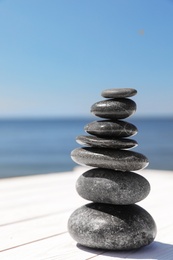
(56,56)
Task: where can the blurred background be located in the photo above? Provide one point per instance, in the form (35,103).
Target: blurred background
(56,57)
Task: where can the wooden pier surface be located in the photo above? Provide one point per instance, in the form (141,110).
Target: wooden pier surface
(34,211)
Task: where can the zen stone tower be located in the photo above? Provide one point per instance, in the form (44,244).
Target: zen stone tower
(112,220)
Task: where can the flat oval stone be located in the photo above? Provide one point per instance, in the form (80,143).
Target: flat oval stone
(118,108)
(119,92)
(113,227)
(95,141)
(108,128)
(112,187)
(119,160)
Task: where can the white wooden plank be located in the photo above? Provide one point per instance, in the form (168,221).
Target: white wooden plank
(60,247)
(25,203)
(32,230)
(41,197)
(32,183)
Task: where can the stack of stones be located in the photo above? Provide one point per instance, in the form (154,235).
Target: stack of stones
(113,220)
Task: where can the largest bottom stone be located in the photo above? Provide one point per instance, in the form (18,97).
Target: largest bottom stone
(114,227)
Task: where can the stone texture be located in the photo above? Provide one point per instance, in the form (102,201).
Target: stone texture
(95,141)
(119,92)
(112,187)
(118,108)
(113,227)
(120,160)
(108,128)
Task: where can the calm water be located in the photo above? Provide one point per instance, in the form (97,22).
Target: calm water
(41,146)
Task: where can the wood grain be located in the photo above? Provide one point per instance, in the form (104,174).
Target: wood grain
(34,212)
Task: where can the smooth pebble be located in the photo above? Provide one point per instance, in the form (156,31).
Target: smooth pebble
(108,128)
(119,160)
(115,187)
(118,108)
(94,141)
(119,92)
(113,227)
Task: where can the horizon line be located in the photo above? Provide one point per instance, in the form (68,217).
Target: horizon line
(76,117)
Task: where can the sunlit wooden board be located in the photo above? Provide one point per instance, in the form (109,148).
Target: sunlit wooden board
(34,211)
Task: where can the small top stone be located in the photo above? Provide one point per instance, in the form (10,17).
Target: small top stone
(118,92)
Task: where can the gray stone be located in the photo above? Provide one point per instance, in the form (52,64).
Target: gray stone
(114,227)
(118,108)
(108,128)
(119,92)
(112,187)
(119,160)
(95,141)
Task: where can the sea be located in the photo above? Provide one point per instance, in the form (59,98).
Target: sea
(42,146)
